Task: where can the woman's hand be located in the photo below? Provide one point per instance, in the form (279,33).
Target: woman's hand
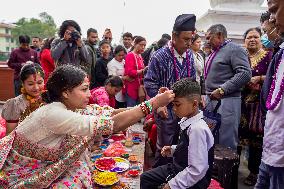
(162,90)
(254,83)
(162,99)
(166,151)
(254,80)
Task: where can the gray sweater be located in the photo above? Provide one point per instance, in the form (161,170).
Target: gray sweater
(229,70)
(66,53)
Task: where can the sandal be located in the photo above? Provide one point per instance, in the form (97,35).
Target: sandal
(250,180)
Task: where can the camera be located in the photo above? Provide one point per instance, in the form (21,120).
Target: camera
(75,35)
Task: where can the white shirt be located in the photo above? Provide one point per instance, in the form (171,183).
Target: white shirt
(200,142)
(116,68)
(282,45)
(198,65)
(179,57)
(273,140)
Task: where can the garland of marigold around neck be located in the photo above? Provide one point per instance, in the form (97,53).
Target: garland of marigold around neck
(34,103)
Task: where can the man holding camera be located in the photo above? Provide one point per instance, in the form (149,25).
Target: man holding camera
(69,47)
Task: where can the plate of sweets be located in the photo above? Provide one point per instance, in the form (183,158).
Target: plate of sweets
(133,158)
(112,164)
(105,178)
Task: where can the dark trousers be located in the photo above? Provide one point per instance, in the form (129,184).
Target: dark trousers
(17,87)
(154,178)
(160,160)
(167,135)
(254,159)
(270,177)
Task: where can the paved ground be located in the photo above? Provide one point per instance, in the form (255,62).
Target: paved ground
(243,173)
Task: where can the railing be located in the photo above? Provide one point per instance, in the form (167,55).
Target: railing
(4,56)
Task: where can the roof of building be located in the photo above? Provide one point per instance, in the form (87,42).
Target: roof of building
(5,25)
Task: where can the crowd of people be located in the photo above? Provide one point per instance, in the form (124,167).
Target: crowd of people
(71,90)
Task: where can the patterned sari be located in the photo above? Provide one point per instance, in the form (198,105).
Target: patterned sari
(28,160)
(252,119)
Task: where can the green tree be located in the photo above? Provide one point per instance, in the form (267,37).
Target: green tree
(43,27)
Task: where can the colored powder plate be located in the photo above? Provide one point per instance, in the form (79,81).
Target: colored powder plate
(137,138)
(120,167)
(136,141)
(135,168)
(103,147)
(133,173)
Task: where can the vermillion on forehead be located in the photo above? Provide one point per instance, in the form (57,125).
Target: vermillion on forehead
(34,76)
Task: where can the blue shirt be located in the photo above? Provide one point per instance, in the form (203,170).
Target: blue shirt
(161,72)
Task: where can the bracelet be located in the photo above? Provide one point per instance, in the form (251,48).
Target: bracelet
(144,108)
(149,106)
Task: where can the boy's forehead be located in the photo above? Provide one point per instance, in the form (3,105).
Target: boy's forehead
(180,99)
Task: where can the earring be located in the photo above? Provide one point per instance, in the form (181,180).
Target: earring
(23,90)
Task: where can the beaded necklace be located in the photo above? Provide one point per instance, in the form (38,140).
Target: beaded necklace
(269,104)
(34,103)
(211,57)
(188,63)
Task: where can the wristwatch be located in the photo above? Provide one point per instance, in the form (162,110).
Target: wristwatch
(221,91)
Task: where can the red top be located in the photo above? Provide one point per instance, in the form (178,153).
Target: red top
(133,62)
(2,127)
(47,63)
(100,97)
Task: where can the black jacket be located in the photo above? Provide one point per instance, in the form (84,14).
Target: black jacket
(100,73)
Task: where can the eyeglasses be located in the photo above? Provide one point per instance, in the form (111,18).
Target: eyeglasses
(108,38)
(273,30)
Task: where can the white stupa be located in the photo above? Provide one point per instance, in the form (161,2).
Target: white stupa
(236,15)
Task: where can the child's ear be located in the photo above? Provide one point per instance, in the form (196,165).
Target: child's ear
(65,94)
(196,103)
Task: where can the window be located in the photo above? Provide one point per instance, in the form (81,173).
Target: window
(7,49)
(12,40)
(7,39)
(7,30)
